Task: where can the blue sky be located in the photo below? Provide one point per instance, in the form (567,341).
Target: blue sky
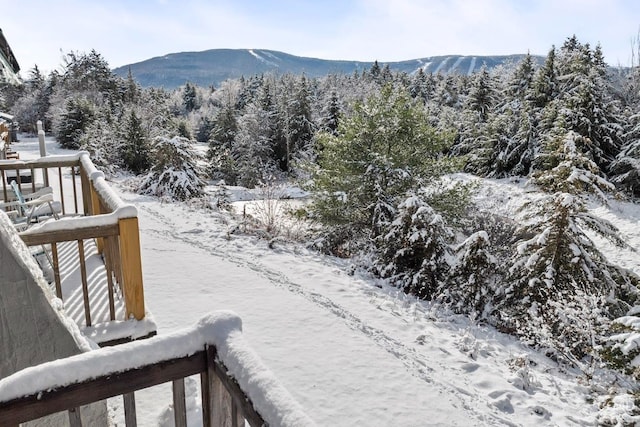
(128,31)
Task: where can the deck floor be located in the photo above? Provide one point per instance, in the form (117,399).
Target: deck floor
(101,328)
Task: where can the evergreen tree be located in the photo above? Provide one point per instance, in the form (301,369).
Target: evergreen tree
(331,114)
(481,96)
(561,291)
(471,283)
(174,173)
(380,152)
(412,252)
(77,116)
(585,106)
(135,145)
(189,97)
(224,130)
(204,129)
(625,169)
(520,84)
(545,85)
(131,88)
(102,140)
(252,157)
(573,172)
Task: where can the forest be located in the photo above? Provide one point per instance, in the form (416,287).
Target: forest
(379,153)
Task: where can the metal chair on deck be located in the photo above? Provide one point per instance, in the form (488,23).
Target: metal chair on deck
(26,210)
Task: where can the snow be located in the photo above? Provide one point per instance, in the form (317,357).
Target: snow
(222,329)
(349,348)
(261,59)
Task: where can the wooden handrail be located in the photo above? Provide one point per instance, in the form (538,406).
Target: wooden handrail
(229,396)
(114,227)
(47,402)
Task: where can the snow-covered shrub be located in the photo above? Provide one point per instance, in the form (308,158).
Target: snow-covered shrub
(413,250)
(269,209)
(175,173)
(623,348)
(222,198)
(472,279)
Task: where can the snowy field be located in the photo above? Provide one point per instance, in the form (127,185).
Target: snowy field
(351,350)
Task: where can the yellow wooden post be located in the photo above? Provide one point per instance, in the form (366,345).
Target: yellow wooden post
(131,268)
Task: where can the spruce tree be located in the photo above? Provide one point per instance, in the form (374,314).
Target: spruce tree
(77,116)
(481,96)
(412,252)
(471,283)
(135,145)
(560,292)
(175,173)
(189,97)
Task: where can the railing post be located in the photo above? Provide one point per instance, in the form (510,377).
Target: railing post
(96,210)
(86,191)
(131,268)
(43,152)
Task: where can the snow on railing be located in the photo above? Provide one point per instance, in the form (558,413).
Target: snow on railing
(109,198)
(254,392)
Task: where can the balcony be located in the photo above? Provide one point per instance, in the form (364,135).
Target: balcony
(91,255)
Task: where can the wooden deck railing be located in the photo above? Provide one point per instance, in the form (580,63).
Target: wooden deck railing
(94,211)
(248,391)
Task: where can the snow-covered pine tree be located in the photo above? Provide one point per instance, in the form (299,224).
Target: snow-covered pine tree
(413,249)
(514,124)
(545,82)
(560,291)
(252,154)
(481,96)
(471,283)
(297,124)
(75,119)
(622,349)
(421,85)
(134,149)
(520,83)
(101,139)
(221,145)
(586,105)
(447,90)
(189,97)
(625,169)
(175,173)
(573,172)
(331,114)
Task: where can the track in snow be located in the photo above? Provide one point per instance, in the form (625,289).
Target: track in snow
(412,361)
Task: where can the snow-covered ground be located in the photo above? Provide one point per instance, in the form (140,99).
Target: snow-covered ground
(351,350)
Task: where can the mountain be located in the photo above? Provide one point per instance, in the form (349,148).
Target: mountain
(211,67)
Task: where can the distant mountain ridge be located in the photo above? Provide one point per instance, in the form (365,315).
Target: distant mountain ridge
(212,67)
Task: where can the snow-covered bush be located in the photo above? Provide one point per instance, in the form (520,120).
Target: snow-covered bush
(412,252)
(623,349)
(472,279)
(175,173)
